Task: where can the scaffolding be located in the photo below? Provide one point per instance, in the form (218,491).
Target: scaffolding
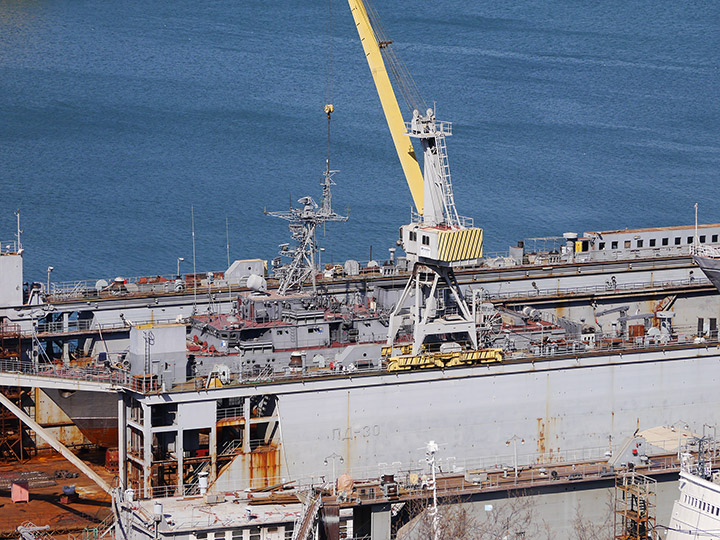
(16,442)
(635,507)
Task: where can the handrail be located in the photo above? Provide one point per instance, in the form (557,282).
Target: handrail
(150,384)
(84,325)
(303,525)
(607,287)
(8,246)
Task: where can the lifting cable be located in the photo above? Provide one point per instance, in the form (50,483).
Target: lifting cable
(329,108)
(399,72)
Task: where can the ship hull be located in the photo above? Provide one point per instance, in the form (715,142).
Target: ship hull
(93,413)
(696,513)
(711,268)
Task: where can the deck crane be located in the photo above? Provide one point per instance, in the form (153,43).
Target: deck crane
(436,240)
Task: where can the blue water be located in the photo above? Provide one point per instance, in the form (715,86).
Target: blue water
(117,117)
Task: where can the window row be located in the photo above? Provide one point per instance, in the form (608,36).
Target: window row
(702,505)
(652,242)
(425,238)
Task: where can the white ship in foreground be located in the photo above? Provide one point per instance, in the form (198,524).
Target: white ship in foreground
(696,513)
(708,259)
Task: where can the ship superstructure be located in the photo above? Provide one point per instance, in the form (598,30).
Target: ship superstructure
(696,512)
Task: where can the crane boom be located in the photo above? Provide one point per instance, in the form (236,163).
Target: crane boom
(439,239)
(394,118)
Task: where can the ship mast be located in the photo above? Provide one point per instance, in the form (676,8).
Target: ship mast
(303,225)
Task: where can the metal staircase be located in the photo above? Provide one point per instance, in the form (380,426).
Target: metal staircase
(304,526)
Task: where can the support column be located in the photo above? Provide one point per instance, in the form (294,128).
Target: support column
(180,450)
(147,447)
(212,443)
(122,440)
(65,343)
(87,345)
(330,522)
(246,434)
(380,522)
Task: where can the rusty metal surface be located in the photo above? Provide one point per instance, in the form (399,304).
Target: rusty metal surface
(93,413)
(263,465)
(52,417)
(90,508)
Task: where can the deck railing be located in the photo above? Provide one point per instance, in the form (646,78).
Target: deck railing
(593,289)
(150,383)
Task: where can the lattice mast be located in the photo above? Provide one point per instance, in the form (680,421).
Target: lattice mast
(304,222)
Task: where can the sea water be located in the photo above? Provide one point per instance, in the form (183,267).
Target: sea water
(120,119)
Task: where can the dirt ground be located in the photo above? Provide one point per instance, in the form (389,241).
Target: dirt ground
(88,508)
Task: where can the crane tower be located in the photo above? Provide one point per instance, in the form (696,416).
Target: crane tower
(437,239)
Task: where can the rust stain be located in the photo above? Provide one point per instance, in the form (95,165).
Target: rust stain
(546,431)
(231,421)
(541,446)
(106,437)
(264,469)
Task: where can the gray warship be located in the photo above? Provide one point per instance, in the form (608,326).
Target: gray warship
(227,381)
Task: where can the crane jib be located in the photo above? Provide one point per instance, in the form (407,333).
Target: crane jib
(393,116)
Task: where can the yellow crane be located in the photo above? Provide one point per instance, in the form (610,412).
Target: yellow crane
(437,238)
(403,145)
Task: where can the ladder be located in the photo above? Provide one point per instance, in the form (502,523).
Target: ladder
(445,180)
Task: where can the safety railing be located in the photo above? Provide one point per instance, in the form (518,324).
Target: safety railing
(230,412)
(231,447)
(139,285)
(592,289)
(459,476)
(9,329)
(141,384)
(449,485)
(8,246)
(148,383)
(704,250)
(85,325)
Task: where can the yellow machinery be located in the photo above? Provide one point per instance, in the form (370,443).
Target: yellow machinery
(437,239)
(406,361)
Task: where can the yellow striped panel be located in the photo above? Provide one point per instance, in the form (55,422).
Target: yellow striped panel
(462,245)
(446,360)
